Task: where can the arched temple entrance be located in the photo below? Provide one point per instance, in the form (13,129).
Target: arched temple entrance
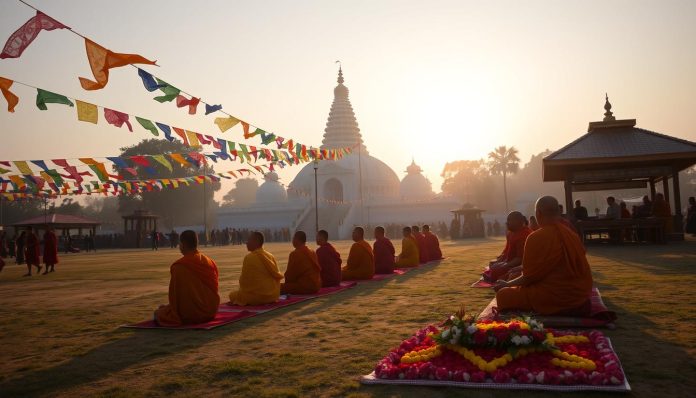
(333,190)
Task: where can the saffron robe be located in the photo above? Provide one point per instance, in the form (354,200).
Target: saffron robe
(361,262)
(559,279)
(33,249)
(433,245)
(423,255)
(259,282)
(50,252)
(303,275)
(409,256)
(193,292)
(514,248)
(384,256)
(330,263)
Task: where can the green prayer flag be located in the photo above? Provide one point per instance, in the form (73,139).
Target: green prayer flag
(170,92)
(44,97)
(148,125)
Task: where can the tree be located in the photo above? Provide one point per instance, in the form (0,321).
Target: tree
(504,161)
(468,180)
(180,206)
(243,193)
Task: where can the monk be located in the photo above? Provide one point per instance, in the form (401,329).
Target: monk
(50,253)
(409,256)
(423,255)
(361,259)
(556,278)
(303,275)
(329,261)
(193,287)
(259,282)
(32,251)
(512,255)
(432,243)
(662,210)
(384,252)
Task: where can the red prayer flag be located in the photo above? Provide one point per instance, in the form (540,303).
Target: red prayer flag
(22,37)
(192,103)
(117,118)
(101,60)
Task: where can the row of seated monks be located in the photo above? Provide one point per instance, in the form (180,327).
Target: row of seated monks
(193,287)
(544,271)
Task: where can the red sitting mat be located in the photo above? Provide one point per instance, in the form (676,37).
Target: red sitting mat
(221,318)
(288,300)
(482,283)
(599,315)
(381,277)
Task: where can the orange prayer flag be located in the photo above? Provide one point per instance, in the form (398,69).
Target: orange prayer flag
(101,60)
(12,99)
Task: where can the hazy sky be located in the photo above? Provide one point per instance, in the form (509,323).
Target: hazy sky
(436,80)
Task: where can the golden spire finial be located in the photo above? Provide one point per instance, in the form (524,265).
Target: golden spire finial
(608,115)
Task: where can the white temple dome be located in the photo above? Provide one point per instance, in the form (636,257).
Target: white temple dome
(415,186)
(271,191)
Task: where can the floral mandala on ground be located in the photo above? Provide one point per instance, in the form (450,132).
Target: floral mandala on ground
(518,351)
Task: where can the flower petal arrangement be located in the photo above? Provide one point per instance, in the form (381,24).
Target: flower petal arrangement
(520,351)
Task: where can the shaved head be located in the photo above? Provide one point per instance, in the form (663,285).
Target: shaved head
(547,209)
(188,240)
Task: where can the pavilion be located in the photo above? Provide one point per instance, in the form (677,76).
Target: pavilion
(615,154)
(138,226)
(59,222)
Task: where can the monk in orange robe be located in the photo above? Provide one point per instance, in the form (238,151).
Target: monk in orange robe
(259,282)
(432,243)
(423,254)
(193,287)
(556,278)
(511,257)
(409,256)
(303,275)
(361,259)
(384,252)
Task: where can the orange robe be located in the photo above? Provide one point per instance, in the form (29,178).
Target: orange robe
(303,275)
(423,255)
(259,282)
(361,262)
(559,277)
(433,244)
(193,292)
(409,256)
(514,248)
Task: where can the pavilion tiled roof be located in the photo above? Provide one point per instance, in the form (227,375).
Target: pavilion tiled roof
(58,219)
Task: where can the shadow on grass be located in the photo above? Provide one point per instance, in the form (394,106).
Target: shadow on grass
(670,259)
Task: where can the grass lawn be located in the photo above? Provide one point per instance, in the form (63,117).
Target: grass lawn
(59,335)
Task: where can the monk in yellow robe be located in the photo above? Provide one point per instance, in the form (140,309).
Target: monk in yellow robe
(259,282)
(303,275)
(193,287)
(556,278)
(361,259)
(409,256)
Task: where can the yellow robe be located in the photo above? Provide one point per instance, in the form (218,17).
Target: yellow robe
(360,264)
(303,275)
(409,257)
(259,282)
(560,278)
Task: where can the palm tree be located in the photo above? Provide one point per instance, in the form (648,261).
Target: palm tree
(504,160)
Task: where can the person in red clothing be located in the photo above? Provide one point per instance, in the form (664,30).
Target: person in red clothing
(423,254)
(384,253)
(511,257)
(329,260)
(33,251)
(50,253)
(433,244)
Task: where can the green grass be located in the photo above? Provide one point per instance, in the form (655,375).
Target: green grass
(59,335)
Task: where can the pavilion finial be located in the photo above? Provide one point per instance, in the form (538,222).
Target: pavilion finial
(340,73)
(608,115)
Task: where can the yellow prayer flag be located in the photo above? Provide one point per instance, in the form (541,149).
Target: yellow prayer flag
(226,123)
(192,139)
(23,167)
(87,112)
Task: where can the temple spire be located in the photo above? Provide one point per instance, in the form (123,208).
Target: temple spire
(608,115)
(342,127)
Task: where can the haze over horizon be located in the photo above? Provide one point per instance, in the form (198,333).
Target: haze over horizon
(439,83)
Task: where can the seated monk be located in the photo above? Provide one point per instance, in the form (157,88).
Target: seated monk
(409,251)
(556,278)
(193,287)
(303,275)
(511,257)
(384,253)
(361,260)
(259,282)
(432,243)
(423,255)
(329,261)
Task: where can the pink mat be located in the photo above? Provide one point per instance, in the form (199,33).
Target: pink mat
(482,283)
(381,277)
(221,318)
(599,316)
(289,300)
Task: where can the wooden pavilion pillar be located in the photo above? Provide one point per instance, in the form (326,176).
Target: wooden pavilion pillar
(568,186)
(652,189)
(678,218)
(665,188)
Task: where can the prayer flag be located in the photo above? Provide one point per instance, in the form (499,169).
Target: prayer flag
(88,161)
(226,123)
(267,138)
(177,157)
(117,118)
(148,125)
(41,164)
(12,99)
(212,108)
(140,160)
(101,60)
(44,97)
(181,133)
(22,37)
(163,161)
(170,92)
(166,130)
(86,112)
(23,167)
(61,162)
(192,103)
(192,139)
(149,81)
